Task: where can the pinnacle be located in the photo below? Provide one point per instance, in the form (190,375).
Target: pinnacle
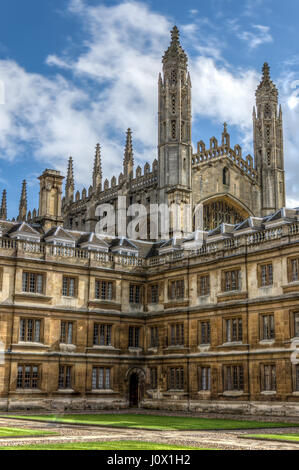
(175,35)
(266,71)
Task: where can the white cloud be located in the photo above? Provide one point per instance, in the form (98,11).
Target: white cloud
(259,35)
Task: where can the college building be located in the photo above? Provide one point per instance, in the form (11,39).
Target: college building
(206,322)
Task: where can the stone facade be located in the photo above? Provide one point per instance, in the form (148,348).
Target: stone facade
(209,322)
(208,328)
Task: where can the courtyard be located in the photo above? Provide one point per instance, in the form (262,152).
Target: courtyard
(144,430)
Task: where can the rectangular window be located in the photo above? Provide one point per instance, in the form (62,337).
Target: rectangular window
(176,378)
(65,377)
(204,378)
(135,294)
(294,270)
(101,378)
(103,290)
(232,280)
(297,378)
(296,325)
(154,378)
(177,290)
(233,378)
(177,337)
(269,378)
(33,283)
(66,332)
(28,377)
(154,294)
(102,334)
(205,332)
(69,286)
(30,330)
(134,336)
(266,275)
(268,327)
(233,330)
(154,341)
(203,285)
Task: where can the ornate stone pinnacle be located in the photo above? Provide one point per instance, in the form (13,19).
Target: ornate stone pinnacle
(266,71)
(175,35)
(225,127)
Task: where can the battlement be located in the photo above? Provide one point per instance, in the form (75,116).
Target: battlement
(216,151)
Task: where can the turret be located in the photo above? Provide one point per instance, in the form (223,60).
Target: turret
(268,145)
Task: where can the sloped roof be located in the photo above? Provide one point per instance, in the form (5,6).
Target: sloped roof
(23,227)
(59,232)
(92,239)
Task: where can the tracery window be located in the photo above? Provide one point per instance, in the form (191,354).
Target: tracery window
(216,213)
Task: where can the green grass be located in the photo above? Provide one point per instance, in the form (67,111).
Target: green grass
(16,432)
(275,437)
(166,423)
(113,445)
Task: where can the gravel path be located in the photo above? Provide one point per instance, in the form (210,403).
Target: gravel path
(228,440)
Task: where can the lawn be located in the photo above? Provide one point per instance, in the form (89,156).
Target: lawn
(166,423)
(113,445)
(15,432)
(275,437)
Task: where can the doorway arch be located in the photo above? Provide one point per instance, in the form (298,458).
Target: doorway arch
(135,378)
(134,391)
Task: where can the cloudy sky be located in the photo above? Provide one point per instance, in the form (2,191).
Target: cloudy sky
(77,72)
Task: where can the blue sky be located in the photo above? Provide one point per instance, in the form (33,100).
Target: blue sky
(78,72)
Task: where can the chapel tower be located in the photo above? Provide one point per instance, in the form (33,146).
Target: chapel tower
(268,145)
(175,149)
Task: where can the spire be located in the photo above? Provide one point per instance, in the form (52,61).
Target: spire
(266,84)
(3,210)
(128,157)
(97,169)
(175,49)
(70,185)
(23,203)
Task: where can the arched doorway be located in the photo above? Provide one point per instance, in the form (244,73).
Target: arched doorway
(134,391)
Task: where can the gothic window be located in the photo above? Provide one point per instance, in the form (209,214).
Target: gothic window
(182,130)
(173,104)
(173,129)
(226,176)
(267,112)
(268,135)
(174,77)
(269,157)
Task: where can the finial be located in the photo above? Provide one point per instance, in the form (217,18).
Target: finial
(266,71)
(225,127)
(3,210)
(23,203)
(97,168)
(175,35)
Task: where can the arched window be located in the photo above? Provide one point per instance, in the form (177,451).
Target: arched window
(226,176)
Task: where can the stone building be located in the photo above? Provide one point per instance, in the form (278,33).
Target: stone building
(208,322)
